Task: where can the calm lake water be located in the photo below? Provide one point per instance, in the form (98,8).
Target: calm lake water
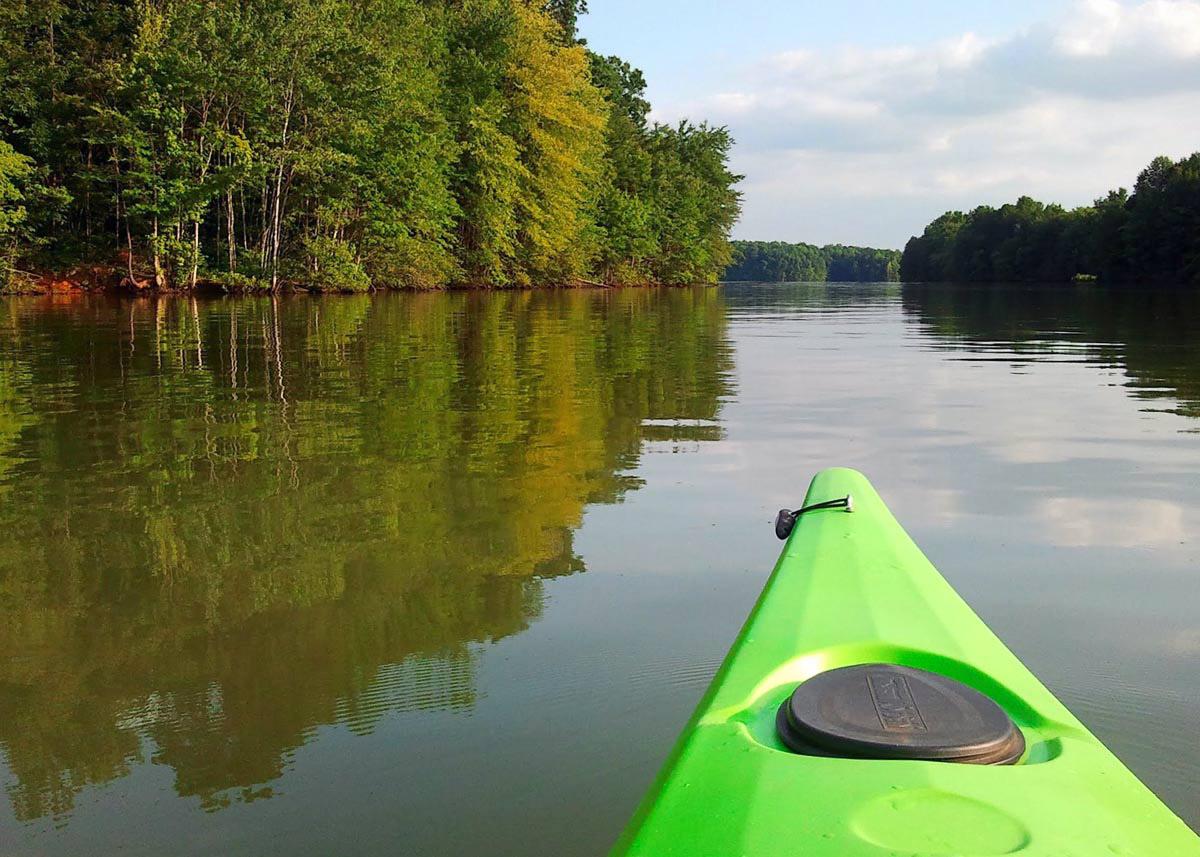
(446,574)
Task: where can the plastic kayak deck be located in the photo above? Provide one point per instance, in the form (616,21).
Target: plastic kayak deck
(851,588)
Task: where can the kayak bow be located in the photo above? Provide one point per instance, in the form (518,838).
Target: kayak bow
(864,709)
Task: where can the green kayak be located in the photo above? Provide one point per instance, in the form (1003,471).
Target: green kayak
(866,710)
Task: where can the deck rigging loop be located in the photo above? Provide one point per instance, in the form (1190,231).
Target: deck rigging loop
(786,519)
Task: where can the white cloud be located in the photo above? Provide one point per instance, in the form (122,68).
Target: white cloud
(1101,28)
(1064,111)
(1094,30)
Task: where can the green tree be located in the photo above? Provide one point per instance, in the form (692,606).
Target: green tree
(14,171)
(566,14)
(1151,234)
(337,144)
(624,207)
(694,202)
(781,262)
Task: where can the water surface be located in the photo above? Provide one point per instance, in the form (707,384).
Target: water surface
(445,574)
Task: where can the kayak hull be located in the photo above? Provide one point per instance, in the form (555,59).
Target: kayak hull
(852,588)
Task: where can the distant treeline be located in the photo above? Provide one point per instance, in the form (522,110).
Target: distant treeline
(781,262)
(1151,234)
(343,144)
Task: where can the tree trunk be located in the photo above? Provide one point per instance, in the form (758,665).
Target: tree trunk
(245,229)
(159,279)
(277,212)
(195,252)
(87,196)
(229,226)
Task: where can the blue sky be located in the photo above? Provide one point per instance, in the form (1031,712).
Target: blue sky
(860,122)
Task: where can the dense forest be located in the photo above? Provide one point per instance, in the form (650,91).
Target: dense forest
(342,145)
(781,262)
(1150,234)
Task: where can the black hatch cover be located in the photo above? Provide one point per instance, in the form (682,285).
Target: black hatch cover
(886,711)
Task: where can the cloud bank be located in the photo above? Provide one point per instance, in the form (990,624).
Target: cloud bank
(867,145)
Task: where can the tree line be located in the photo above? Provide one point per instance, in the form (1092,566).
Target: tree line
(782,262)
(344,144)
(1151,234)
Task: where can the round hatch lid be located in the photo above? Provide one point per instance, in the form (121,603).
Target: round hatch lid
(886,711)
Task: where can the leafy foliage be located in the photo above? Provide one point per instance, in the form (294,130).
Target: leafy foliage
(334,144)
(14,171)
(1151,234)
(781,262)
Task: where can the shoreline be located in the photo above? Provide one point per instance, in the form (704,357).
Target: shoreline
(101,279)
